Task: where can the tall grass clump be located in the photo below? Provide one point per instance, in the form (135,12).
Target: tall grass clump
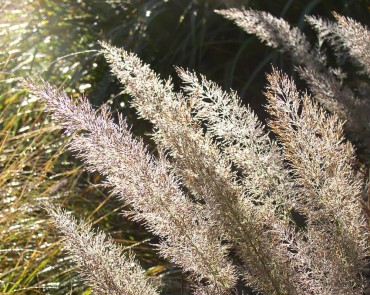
(35,168)
(236,210)
(45,38)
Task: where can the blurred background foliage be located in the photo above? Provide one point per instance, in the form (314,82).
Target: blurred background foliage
(57,40)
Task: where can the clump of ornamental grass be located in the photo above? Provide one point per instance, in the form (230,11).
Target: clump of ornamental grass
(221,195)
(329,84)
(35,166)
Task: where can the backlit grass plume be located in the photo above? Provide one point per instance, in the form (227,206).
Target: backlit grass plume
(348,38)
(236,210)
(101,262)
(189,239)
